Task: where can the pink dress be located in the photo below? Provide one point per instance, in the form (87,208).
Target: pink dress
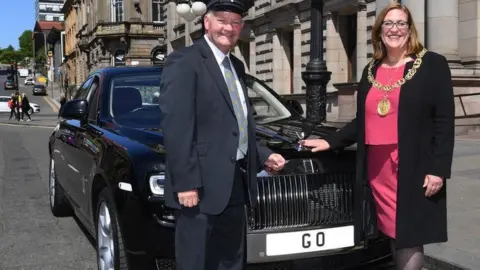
(381,138)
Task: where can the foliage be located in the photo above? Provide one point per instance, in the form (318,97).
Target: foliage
(26,44)
(25,51)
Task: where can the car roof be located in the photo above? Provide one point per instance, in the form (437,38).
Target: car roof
(112,71)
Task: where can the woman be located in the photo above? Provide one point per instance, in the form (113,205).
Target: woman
(404,132)
(25,107)
(13,107)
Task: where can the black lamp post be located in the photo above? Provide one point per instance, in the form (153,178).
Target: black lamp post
(316,76)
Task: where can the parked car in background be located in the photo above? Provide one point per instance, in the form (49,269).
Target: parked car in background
(107,164)
(4,106)
(29,81)
(9,84)
(39,89)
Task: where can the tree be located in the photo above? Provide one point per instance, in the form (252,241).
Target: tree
(25,42)
(9,55)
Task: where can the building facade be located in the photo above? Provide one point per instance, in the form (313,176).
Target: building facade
(49,10)
(275,45)
(70,46)
(113,33)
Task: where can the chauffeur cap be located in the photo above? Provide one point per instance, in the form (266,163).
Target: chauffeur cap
(237,6)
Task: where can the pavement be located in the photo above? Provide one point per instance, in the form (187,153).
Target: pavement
(31,238)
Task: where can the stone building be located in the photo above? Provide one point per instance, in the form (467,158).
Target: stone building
(275,45)
(113,33)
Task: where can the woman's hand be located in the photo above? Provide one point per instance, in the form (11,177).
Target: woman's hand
(433,184)
(316,144)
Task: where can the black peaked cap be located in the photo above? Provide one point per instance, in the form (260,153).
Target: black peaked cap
(237,6)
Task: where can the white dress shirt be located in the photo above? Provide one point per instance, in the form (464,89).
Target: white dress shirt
(220,56)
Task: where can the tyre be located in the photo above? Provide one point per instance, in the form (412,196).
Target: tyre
(59,204)
(111,252)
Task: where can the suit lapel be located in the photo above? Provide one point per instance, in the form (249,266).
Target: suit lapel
(212,66)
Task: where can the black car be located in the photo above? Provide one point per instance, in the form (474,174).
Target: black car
(107,167)
(39,89)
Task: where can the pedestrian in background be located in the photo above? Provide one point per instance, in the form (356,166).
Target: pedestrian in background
(404,132)
(12,104)
(25,107)
(209,134)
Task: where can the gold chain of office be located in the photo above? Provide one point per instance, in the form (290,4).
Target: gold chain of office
(383,106)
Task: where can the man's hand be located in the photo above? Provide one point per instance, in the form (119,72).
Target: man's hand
(188,198)
(275,162)
(432,184)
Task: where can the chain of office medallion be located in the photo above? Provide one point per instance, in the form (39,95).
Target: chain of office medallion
(411,72)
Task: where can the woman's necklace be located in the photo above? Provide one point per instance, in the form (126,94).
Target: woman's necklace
(383,106)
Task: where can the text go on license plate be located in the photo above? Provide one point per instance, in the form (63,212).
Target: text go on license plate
(309,241)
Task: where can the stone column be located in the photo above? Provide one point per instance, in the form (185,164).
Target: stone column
(362,37)
(469,36)
(417,8)
(442,33)
(297,56)
(280,82)
(336,56)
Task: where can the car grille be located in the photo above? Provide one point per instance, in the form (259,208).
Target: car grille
(303,200)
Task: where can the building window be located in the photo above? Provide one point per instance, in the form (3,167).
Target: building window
(157,11)
(117,11)
(41,17)
(56,19)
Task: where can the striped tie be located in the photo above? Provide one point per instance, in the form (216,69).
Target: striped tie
(237,106)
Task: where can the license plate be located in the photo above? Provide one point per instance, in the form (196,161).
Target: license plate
(309,241)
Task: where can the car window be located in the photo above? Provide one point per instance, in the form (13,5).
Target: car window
(83,90)
(134,100)
(92,100)
(266,107)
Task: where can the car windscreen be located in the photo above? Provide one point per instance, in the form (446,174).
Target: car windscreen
(134,100)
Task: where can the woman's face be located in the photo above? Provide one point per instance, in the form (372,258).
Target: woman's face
(395,29)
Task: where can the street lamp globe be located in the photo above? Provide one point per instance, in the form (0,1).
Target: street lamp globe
(183,9)
(199,8)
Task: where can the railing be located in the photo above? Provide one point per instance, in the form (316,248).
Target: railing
(466,115)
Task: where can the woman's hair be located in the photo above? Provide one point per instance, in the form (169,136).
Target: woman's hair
(413,44)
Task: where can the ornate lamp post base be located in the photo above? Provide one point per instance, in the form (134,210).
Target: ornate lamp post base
(316,76)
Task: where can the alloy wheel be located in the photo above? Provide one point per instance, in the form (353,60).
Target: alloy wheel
(52,183)
(105,242)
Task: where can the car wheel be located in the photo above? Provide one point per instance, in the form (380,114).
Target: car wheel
(110,250)
(59,204)
(30,111)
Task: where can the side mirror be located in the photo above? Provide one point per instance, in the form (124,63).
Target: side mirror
(295,106)
(74,109)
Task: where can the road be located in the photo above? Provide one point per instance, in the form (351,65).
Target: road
(30,237)
(47,115)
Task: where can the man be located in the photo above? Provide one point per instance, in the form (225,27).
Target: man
(209,134)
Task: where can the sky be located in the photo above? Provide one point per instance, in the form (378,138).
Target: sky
(16,16)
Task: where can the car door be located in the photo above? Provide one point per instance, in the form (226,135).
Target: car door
(66,149)
(87,149)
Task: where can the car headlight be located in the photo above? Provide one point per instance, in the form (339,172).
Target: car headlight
(156,184)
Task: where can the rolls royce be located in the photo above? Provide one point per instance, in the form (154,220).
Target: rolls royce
(107,168)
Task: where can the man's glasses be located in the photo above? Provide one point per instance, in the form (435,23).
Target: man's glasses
(400,24)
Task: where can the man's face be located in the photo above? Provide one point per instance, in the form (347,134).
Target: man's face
(223,28)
